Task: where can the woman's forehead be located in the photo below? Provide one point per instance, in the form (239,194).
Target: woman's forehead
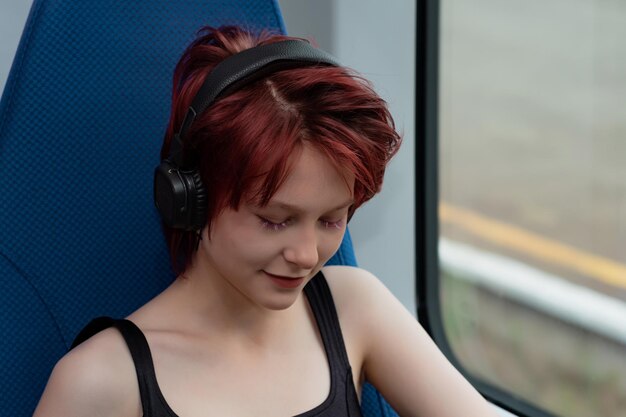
(312,177)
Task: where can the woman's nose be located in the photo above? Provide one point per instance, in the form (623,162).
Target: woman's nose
(302,249)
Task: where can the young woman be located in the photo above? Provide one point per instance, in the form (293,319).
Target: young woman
(255,325)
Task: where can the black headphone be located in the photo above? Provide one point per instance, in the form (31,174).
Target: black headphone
(179,194)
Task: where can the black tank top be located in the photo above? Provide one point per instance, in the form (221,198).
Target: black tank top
(342,400)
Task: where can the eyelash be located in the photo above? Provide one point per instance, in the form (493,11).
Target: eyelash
(332,225)
(275,227)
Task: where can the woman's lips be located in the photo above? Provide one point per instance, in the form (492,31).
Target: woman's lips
(285,282)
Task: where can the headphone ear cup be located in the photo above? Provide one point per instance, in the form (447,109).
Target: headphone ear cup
(180,197)
(198,201)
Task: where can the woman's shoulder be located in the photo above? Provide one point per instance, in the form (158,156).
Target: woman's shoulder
(352,286)
(105,351)
(357,294)
(97,377)
(362,301)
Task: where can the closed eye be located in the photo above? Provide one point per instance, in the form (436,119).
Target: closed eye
(338,224)
(273,226)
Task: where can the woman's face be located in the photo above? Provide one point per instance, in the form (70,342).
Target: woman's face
(268,254)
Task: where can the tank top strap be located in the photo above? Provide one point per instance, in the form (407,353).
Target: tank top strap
(152,402)
(142,357)
(321,301)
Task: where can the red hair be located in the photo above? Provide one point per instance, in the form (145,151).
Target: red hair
(243,141)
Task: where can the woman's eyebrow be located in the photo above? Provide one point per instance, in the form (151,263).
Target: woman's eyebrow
(292,207)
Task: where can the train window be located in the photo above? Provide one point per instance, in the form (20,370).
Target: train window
(13,14)
(528,134)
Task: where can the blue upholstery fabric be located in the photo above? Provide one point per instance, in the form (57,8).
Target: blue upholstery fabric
(81,122)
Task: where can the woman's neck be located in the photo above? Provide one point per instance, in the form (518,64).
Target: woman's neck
(208,302)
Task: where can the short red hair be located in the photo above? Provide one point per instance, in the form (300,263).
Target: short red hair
(244,140)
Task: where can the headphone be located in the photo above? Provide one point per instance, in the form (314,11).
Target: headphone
(179,194)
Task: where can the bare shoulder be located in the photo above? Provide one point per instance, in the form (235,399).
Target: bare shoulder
(349,277)
(95,378)
(361,300)
(354,288)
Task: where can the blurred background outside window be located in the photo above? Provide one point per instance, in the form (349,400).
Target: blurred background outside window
(532,171)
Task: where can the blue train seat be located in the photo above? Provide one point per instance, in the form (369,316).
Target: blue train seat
(81,122)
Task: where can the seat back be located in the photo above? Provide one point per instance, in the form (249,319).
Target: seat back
(82,119)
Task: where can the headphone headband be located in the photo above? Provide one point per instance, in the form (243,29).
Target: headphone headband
(243,68)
